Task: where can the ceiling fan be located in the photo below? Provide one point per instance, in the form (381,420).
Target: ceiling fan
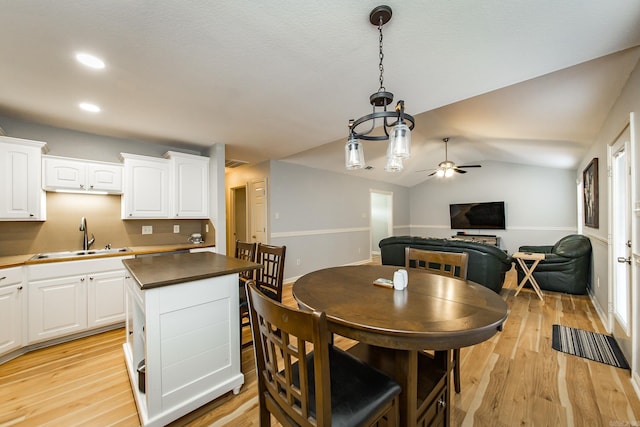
(446,168)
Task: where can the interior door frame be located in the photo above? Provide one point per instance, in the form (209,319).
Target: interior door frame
(628,341)
(232,216)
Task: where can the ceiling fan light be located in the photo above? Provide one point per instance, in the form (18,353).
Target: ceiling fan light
(448,173)
(354,154)
(400,141)
(440,173)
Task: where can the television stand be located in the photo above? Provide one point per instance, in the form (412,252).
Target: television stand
(485,239)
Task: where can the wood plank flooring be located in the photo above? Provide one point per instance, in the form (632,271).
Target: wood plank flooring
(515,378)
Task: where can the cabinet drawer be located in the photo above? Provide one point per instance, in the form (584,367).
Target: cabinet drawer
(67,268)
(435,412)
(10,276)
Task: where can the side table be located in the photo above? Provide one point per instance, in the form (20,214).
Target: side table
(536,258)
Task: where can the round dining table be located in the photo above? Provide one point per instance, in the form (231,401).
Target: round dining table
(395,328)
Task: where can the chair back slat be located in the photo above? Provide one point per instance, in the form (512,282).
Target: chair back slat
(269,279)
(452,264)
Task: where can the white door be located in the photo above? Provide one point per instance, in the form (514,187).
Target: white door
(258,210)
(621,242)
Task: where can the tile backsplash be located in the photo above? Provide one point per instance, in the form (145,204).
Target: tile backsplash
(60,232)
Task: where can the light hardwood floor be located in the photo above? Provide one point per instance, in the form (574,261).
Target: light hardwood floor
(515,378)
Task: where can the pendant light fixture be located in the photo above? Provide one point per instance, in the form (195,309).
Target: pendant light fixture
(394,122)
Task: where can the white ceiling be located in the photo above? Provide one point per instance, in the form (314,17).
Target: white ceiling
(522,81)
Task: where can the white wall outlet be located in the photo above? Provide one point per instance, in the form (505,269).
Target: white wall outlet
(206,228)
(176,228)
(147,229)
(298,261)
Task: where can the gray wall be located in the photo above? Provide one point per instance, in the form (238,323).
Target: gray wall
(617,120)
(540,203)
(83,145)
(322,217)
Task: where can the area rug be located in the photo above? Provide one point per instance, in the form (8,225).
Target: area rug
(590,345)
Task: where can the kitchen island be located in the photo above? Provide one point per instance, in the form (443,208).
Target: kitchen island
(182,328)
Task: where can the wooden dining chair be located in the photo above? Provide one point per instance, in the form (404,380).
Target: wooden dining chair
(451,264)
(245,251)
(304,381)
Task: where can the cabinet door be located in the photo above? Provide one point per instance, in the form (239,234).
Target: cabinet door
(64,174)
(191,193)
(21,195)
(104,177)
(146,189)
(106,299)
(57,307)
(10,315)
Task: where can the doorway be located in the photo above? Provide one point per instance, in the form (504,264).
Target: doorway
(381,218)
(237,217)
(620,223)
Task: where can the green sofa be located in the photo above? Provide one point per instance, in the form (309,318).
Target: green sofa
(566,267)
(486,265)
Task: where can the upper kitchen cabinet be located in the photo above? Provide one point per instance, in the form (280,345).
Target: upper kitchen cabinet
(190,180)
(146,187)
(77,175)
(21,194)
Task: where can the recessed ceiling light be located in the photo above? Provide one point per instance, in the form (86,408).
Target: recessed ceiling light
(87,106)
(90,60)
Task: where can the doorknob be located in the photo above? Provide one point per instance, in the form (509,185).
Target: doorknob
(623,259)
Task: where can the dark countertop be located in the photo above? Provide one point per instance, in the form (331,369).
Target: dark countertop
(20,260)
(153,272)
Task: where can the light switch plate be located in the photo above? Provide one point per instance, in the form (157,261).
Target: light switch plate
(147,229)
(176,228)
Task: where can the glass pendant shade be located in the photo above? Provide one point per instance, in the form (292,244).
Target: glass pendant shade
(354,154)
(448,173)
(400,141)
(440,173)
(394,164)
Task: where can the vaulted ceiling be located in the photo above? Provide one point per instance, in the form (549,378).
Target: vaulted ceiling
(521,81)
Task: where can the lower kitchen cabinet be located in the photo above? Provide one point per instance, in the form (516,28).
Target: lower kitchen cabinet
(75,296)
(57,306)
(11,309)
(106,294)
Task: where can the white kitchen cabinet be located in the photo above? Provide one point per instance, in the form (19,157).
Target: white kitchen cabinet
(190,180)
(74,296)
(146,187)
(57,307)
(106,298)
(62,173)
(11,309)
(21,194)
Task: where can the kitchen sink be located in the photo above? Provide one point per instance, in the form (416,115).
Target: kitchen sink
(72,254)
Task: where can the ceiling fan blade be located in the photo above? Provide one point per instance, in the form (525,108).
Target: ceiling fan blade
(432,173)
(470,166)
(458,170)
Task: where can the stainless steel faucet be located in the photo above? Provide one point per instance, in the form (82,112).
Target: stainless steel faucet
(86,242)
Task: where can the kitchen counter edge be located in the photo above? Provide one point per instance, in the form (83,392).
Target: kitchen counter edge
(20,260)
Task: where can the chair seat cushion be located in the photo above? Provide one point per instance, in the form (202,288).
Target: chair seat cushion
(357,389)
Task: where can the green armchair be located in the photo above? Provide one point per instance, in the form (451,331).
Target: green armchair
(566,267)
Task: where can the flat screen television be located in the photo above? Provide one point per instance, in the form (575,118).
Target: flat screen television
(487,215)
